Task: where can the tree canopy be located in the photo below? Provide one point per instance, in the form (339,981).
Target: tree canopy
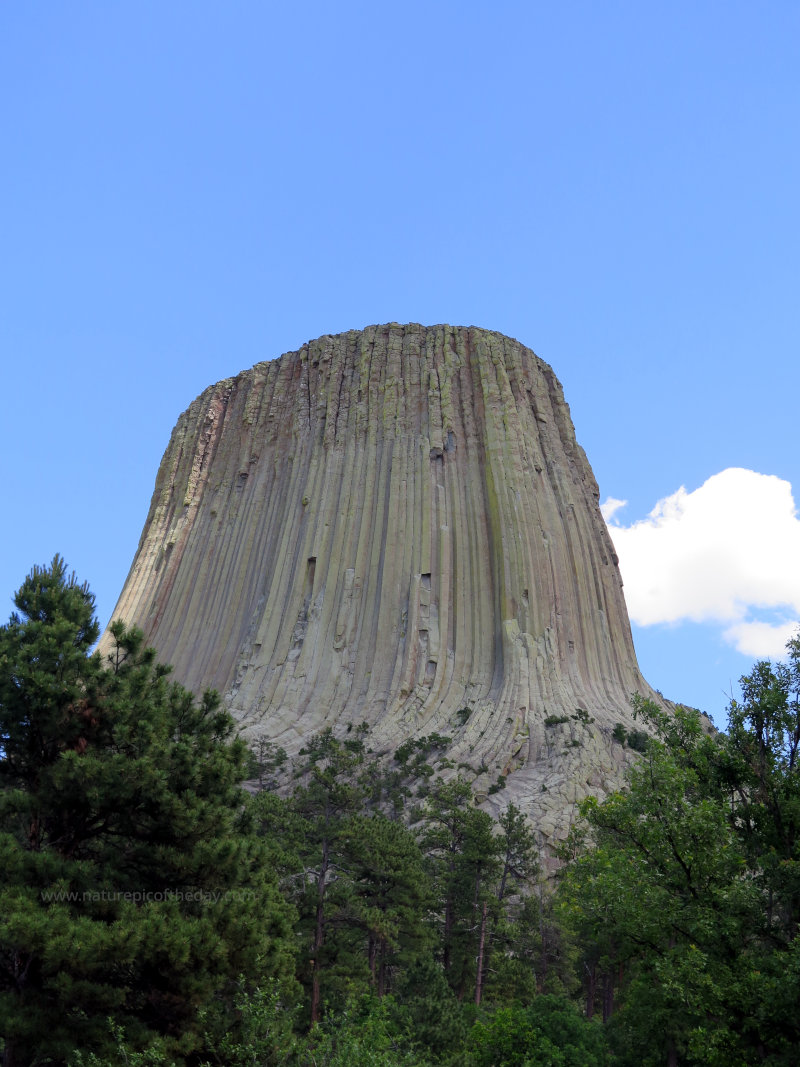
(132,886)
(362,908)
(688,901)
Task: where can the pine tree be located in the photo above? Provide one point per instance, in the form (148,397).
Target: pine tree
(513,916)
(323,810)
(391,894)
(463,860)
(133,886)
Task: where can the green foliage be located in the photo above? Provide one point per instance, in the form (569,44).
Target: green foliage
(513,960)
(391,895)
(413,766)
(556,720)
(462,855)
(583,716)
(133,886)
(151,913)
(635,739)
(355,875)
(319,829)
(269,762)
(550,1032)
(369,1033)
(687,909)
(433,1013)
(256,1033)
(638,740)
(419,749)
(153,1056)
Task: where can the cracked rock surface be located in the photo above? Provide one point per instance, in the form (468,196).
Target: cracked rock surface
(397,526)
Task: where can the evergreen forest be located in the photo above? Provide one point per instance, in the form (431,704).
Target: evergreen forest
(171,894)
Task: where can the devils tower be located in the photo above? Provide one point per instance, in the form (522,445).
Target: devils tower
(397,526)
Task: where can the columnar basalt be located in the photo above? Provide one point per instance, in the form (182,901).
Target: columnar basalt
(396,526)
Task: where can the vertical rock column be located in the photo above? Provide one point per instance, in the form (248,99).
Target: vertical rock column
(396,525)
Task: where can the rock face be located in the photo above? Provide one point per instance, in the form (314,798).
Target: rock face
(397,526)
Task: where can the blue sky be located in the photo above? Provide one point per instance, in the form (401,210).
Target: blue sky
(188,188)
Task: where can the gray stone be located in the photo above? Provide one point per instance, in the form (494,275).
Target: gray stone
(392,525)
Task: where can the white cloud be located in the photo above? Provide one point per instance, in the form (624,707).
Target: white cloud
(761,639)
(611,506)
(722,553)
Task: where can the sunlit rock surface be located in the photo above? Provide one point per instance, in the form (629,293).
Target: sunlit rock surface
(397,526)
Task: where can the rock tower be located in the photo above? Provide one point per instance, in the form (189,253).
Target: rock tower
(396,526)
